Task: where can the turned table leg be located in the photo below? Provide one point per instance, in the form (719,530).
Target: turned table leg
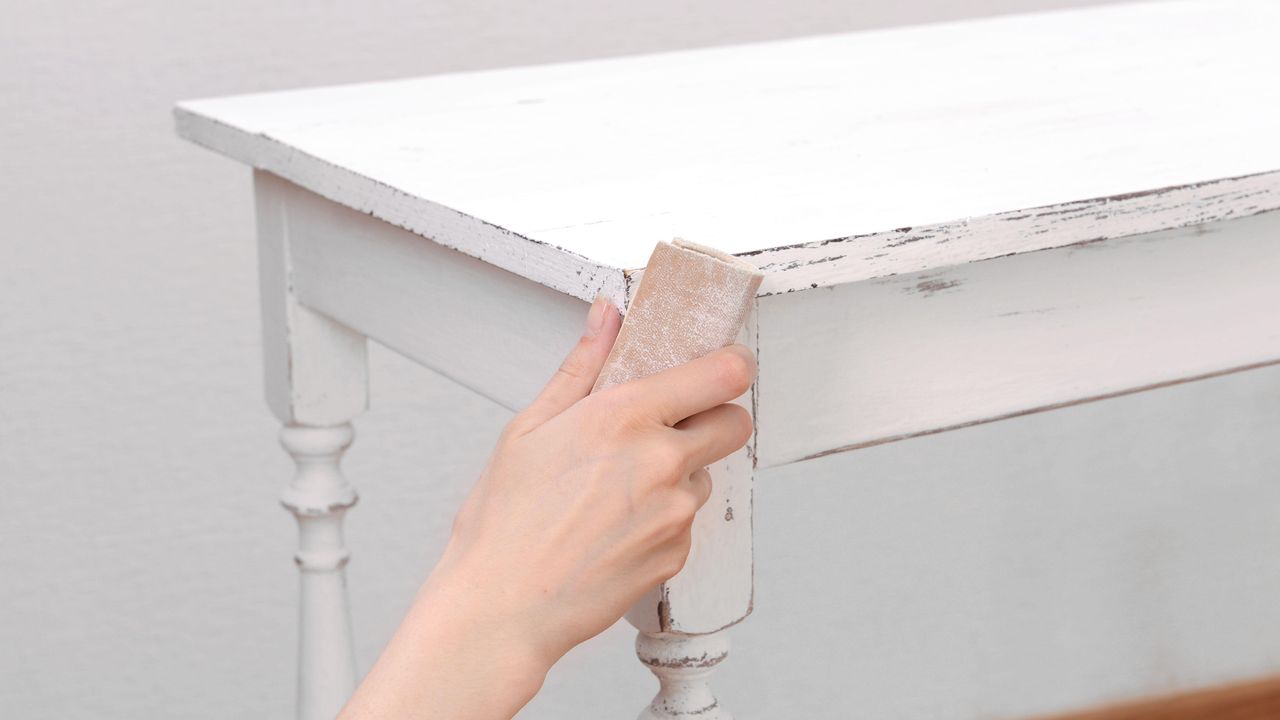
(691,301)
(319,497)
(316,382)
(684,623)
(683,664)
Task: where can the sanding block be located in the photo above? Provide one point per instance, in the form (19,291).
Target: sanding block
(692,300)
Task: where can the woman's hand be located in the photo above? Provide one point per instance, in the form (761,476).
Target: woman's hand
(585,505)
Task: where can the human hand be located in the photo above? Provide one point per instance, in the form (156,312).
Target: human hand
(588,500)
(586,503)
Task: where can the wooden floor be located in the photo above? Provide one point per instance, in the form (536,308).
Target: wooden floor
(1255,700)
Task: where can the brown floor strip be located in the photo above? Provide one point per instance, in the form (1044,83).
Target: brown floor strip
(1255,700)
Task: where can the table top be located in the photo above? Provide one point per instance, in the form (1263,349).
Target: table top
(827,159)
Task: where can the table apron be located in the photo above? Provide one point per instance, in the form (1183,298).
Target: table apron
(851,365)
(487,329)
(884,359)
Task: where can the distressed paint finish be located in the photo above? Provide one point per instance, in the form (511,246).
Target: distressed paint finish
(1011,216)
(696,300)
(914,249)
(1102,305)
(490,330)
(979,139)
(682,664)
(316,381)
(319,497)
(885,339)
(889,358)
(714,589)
(690,613)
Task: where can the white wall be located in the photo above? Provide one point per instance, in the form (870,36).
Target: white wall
(145,566)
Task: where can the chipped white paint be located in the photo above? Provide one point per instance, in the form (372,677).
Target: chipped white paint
(504,342)
(488,329)
(893,357)
(682,664)
(896,186)
(914,249)
(316,381)
(544,264)
(713,590)
(688,615)
(319,496)
(567,174)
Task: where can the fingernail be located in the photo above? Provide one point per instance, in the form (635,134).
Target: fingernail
(595,317)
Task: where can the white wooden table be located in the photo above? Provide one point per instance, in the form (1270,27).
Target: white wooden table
(959,223)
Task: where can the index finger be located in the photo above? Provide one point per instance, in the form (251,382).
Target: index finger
(686,390)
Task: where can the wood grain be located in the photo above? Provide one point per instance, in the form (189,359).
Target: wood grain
(1255,700)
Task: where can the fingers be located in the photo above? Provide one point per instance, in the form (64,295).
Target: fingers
(579,371)
(672,554)
(700,485)
(675,394)
(714,434)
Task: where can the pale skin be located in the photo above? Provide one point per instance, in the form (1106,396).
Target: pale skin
(586,503)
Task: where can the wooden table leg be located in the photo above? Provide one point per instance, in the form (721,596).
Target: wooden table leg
(684,623)
(683,664)
(319,497)
(316,382)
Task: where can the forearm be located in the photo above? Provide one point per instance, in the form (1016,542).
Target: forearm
(451,658)
(586,504)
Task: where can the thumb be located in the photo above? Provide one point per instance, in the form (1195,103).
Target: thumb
(578,372)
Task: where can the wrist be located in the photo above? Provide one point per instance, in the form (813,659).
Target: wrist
(454,657)
(473,624)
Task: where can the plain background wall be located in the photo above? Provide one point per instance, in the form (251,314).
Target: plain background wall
(145,565)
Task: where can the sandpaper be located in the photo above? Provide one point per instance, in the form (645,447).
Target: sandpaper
(692,300)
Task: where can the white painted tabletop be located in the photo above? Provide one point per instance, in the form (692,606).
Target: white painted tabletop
(827,159)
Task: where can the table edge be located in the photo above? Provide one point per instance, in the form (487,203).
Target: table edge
(789,268)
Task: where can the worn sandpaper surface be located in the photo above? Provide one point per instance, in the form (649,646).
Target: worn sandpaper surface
(691,300)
